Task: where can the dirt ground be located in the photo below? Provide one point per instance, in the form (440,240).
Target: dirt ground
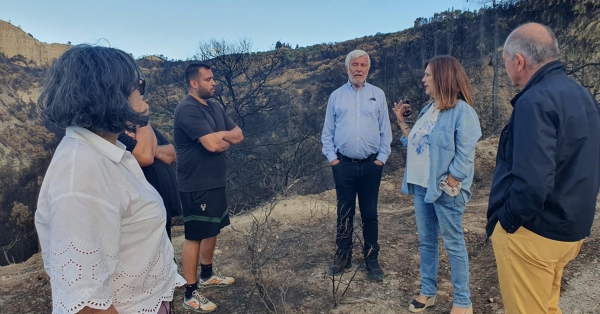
(288,253)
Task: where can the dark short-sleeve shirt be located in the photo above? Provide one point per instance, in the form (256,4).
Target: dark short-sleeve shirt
(160,175)
(197,168)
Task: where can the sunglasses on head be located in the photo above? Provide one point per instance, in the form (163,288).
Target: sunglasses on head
(142,87)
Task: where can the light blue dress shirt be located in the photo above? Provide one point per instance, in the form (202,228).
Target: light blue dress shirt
(357,123)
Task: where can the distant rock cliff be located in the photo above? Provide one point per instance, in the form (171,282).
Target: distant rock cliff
(14,41)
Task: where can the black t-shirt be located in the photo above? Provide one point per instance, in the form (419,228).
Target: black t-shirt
(197,168)
(159,175)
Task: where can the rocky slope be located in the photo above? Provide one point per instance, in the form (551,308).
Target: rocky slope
(14,41)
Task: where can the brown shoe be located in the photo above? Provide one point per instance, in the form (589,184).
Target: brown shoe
(416,306)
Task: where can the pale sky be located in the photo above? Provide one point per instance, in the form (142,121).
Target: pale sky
(175,27)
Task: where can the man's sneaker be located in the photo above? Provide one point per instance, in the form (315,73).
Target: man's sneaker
(375,272)
(216,280)
(198,303)
(340,265)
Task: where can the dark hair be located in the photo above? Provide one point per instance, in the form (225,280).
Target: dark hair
(192,71)
(89,87)
(451,82)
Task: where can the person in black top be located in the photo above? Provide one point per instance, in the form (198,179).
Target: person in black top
(155,155)
(543,196)
(203,132)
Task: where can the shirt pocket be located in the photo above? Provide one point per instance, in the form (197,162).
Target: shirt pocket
(369,108)
(445,138)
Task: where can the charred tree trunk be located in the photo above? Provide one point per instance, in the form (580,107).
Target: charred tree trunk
(495,82)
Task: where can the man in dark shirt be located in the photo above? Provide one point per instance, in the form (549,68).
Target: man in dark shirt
(202,132)
(155,155)
(547,176)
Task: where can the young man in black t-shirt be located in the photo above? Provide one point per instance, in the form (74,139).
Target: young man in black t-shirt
(156,154)
(202,133)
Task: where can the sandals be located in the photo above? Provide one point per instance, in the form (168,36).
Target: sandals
(416,306)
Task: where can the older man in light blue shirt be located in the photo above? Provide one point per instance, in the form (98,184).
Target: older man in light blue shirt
(356,140)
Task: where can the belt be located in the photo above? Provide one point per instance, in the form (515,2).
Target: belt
(370,158)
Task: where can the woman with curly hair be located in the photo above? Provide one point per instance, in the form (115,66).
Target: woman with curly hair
(101,225)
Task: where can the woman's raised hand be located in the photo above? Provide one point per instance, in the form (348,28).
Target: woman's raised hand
(400,109)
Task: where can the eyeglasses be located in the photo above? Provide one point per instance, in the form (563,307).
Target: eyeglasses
(142,87)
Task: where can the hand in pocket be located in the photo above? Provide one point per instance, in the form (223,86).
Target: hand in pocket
(448,189)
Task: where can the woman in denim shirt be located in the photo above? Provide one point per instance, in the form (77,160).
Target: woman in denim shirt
(439,173)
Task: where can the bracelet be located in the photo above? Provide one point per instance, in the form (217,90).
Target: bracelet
(406,128)
(450,185)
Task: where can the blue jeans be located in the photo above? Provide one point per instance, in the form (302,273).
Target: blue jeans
(352,179)
(445,214)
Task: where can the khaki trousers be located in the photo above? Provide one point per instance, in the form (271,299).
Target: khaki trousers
(530,269)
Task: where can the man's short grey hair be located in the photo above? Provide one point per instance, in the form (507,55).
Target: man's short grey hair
(355,54)
(89,87)
(534,50)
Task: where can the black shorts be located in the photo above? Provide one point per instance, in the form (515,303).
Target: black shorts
(204,213)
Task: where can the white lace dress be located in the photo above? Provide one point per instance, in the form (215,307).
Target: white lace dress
(101,227)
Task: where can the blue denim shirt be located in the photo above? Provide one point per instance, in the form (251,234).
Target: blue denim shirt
(357,123)
(452,150)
